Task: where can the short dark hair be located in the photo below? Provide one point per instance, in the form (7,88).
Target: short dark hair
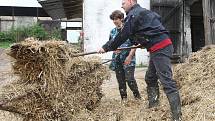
(117,14)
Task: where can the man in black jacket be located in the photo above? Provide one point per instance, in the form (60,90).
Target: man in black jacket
(144,27)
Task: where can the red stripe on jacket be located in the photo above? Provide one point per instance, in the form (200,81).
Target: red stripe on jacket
(160,45)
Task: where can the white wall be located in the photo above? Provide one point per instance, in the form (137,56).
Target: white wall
(21,3)
(97,25)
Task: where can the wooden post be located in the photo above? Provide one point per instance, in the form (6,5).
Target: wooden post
(206,11)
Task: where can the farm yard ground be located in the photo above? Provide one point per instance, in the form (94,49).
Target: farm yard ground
(5,78)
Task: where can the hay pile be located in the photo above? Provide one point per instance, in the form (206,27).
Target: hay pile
(196,79)
(52,84)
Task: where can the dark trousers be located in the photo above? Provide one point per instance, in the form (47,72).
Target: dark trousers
(124,75)
(160,68)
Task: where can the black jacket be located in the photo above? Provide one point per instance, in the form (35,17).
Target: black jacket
(141,26)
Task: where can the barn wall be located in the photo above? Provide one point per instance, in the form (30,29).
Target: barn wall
(172,19)
(7,22)
(179,23)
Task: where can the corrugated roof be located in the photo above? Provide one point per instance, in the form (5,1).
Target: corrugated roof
(59,9)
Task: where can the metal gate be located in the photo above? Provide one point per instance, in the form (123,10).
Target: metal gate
(170,11)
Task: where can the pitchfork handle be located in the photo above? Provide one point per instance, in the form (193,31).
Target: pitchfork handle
(123,48)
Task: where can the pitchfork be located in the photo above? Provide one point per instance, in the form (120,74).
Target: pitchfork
(95,52)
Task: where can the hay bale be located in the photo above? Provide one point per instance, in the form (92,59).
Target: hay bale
(196,78)
(52,85)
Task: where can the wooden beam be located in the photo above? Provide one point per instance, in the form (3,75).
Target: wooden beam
(206,15)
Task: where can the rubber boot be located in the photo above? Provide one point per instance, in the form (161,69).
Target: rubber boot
(175,105)
(137,95)
(153,96)
(123,94)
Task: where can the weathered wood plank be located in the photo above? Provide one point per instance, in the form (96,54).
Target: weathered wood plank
(205,4)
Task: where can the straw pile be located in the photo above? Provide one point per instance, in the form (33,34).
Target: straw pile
(196,79)
(196,82)
(52,84)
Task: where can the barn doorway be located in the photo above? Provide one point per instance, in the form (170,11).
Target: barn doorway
(197,26)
